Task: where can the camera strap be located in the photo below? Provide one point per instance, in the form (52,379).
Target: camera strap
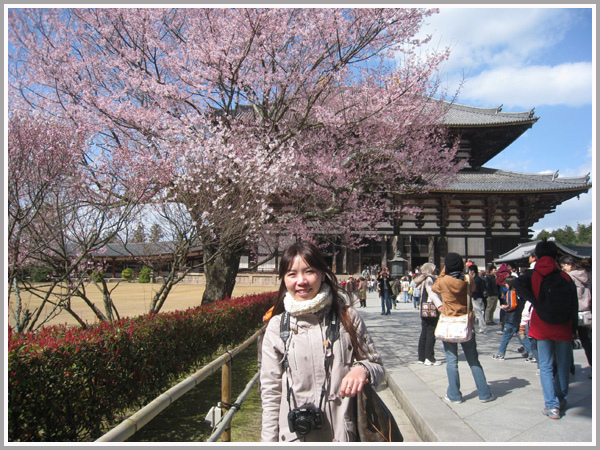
(333,333)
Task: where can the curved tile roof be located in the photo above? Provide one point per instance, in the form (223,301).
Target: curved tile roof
(496,180)
(133,249)
(463,115)
(456,115)
(521,252)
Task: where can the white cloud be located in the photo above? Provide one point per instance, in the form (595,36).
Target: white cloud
(502,55)
(566,84)
(485,37)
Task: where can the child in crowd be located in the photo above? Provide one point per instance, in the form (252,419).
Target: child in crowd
(524,334)
(513,308)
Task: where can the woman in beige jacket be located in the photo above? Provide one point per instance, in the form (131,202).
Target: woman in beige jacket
(308,379)
(452,286)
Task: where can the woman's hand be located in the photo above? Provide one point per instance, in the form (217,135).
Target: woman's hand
(354,381)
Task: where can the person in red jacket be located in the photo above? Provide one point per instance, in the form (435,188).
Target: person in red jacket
(553,339)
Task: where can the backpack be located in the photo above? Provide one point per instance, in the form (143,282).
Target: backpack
(511,300)
(557,300)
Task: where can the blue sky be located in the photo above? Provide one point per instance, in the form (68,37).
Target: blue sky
(540,57)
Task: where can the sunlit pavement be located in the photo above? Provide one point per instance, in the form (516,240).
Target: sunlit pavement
(516,414)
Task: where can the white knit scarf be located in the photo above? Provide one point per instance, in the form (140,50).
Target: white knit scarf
(297,307)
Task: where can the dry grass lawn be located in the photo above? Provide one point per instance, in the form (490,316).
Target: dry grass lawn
(133,299)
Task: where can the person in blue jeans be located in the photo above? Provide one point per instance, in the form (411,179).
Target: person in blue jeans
(452,286)
(512,319)
(553,339)
(385,292)
(416,295)
(453,393)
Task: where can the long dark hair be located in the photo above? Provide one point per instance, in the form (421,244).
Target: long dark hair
(315,259)
(568,259)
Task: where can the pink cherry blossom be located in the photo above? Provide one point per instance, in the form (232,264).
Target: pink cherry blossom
(263,122)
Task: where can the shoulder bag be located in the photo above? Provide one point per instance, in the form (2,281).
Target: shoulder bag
(456,328)
(428,308)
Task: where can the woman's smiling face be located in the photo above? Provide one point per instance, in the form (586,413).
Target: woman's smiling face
(302,281)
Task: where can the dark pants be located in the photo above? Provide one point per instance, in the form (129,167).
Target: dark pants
(427,338)
(534,350)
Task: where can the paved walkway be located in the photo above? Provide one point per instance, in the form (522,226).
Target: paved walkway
(516,414)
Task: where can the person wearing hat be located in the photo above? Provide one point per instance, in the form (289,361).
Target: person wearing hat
(452,286)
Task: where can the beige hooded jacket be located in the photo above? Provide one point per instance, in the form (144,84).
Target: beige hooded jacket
(425,280)
(306,376)
(584,293)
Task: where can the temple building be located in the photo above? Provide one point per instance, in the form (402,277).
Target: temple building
(483,213)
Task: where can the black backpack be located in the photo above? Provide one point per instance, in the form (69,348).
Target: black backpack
(557,300)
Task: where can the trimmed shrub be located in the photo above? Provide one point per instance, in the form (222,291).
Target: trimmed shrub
(128,274)
(145,274)
(64,383)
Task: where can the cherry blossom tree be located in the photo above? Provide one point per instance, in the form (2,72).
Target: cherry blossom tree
(263,122)
(61,208)
(40,159)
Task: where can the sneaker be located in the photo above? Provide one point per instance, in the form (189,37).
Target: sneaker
(429,363)
(499,332)
(537,372)
(420,362)
(531,359)
(521,349)
(498,357)
(553,413)
(452,401)
(490,399)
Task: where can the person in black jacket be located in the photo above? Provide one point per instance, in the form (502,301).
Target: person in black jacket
(477,296)
(385,293)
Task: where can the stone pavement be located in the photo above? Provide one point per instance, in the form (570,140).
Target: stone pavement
(516,414)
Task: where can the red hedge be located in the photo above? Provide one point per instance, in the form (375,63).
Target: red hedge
(64,383)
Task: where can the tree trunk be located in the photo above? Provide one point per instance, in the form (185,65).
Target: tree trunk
(221,271)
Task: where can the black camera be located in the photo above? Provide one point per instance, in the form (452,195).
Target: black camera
(304,419)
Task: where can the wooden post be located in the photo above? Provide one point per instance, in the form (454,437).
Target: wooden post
(226,397)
